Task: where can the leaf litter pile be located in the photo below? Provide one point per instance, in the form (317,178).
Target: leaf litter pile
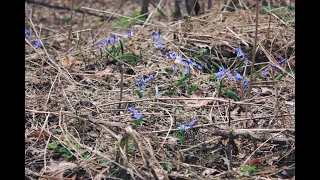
(159,100)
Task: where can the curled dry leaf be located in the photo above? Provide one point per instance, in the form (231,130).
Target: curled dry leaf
(107,71)
(266,91)
(208,172)
(196,102)
(60,168)
(68,61)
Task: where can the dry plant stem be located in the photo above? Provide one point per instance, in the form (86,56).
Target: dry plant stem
(171,123)
(206,142)
(121,83)
(260,147)
(70,29)
(150,15)
(253,60)
(233,121)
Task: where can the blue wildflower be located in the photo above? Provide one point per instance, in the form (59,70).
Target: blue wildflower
(183,127)
(130,33)
(246,62)
(238,76)
(158,44)
(240,53)
(174,68)
(265,73)
(171,55)
(222,72)
(36,44)
(184,63)
(246,84)
(142,87)
(159,58)
(192,123)
(199,67)
(114,39)
(139,81)
(107,41)
(27,33)
(187,70)
(219,75)
(282,61)
(229,75)
(273,65)
(155,35)
(152,76)
(135,113)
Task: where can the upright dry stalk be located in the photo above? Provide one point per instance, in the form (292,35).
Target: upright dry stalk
(253,60)
(70,29)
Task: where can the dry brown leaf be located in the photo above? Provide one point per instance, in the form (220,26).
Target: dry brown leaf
(266,91)
(68,61)
(208,172)
(60,168)
(197,103)
(106,71)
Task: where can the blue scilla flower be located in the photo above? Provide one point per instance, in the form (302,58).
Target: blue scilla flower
(27,33)
(158,44)
(114,39)
(229,75)
(184,63)
(246,61)
(107,41)
(238,76)
(246,84)
(222,72)
(174,68)
(273,66)
(240,53)
(135,113)
(139,81)
(36,44)
(171,55)
(187,70)
(183,127)
(192,123)
(130,33)
(265,73)
(159,58)
(142,88)
(155,35)
(282,61)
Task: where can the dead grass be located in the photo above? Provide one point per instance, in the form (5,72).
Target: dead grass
(75,104)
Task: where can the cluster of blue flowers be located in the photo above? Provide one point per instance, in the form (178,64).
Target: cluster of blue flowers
(135,113)
(265,73)
(36,43)
(183,127)
(178,59)
(141,81)
(156,36)
(113,40)
(279,62)
(27,33)
(240,53)
(222,73)
(173,56)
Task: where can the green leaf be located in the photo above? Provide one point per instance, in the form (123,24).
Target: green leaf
(183,79)
(121,46)
(232,94)
(214,63)
(282,76)
(127,56)
(139,93)
(192,89)
(149,93)
(258,74)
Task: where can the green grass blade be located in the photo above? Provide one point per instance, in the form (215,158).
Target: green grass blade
(183,79)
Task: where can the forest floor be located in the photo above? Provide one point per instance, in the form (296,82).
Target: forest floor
(171,100)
